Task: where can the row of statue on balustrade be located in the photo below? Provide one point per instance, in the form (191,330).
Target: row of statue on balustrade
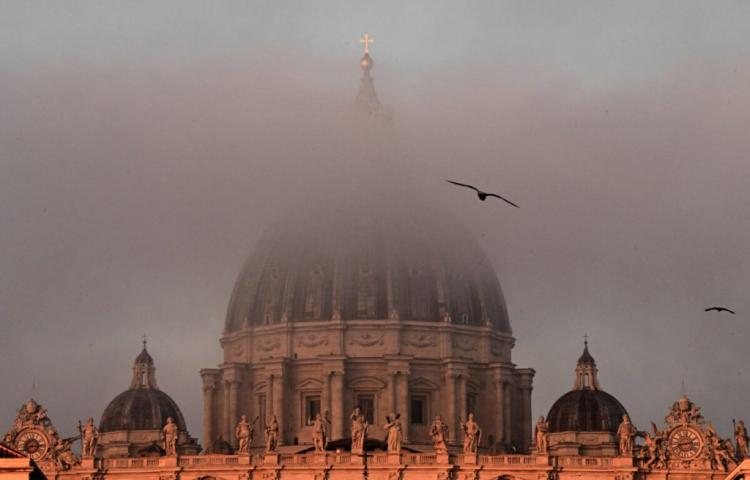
(245,430)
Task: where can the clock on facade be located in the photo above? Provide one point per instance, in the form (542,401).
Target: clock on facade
(32,442)
(685,443)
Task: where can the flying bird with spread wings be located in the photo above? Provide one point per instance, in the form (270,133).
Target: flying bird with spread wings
(483,195)
(719,309)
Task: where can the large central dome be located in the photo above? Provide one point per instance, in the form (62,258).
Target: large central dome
(365,295)
(378,265)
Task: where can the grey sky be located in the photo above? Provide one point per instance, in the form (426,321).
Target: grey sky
(141,144)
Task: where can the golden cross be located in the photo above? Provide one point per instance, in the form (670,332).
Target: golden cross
(366,40)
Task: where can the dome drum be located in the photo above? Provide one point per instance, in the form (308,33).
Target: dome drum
(367,338)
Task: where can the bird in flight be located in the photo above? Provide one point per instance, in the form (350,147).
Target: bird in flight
(719,309)
(483,195)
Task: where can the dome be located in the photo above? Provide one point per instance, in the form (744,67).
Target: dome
(140,409)
(142,406)
(586,408)
(585,411)
(377,265)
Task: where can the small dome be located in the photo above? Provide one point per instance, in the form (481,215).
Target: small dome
(142,406)
(585,410)
(140,409)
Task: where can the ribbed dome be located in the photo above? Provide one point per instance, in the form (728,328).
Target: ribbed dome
(140,409)
(586,411)
(143,406)
(371,265)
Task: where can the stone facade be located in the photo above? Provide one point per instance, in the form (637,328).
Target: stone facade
(417,370)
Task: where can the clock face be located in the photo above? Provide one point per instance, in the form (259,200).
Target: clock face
(32,442)
(685,443)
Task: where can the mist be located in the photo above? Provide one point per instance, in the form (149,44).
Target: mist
(143,158)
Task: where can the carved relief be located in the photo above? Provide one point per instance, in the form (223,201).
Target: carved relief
(421,340)
(269,343)
(367,339)
(312,340)
(465,344)
(496,350)
(238,349)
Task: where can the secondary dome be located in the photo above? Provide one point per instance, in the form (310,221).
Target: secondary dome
(142,406)
(586,408)
(586,411)
(356,264)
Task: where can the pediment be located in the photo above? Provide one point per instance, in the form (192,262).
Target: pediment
(309,384)
(422,383)
(367,383)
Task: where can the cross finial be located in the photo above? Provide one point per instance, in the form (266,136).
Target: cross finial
(366,41)
(144,341)
(586,339)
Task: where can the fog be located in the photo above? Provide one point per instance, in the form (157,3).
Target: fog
(144,150)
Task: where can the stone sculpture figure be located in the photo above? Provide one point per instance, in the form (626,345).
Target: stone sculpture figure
(393,427)
(64,456)
(625,434)
(439,434)
(541,434)
(359,431)
(740,437)
(272,435)
(89,437)
(651,451)
(719,452)
(244,434)
(319,433)
(472,434)
(171,432)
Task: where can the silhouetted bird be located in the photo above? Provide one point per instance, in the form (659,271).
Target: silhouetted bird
(483,195)
(718,309)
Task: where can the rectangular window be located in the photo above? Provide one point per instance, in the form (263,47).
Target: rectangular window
(418,410)
(366,404)
(312,408)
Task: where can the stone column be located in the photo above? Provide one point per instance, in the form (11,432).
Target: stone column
(278,403)
(449,401)
(208,415)
(234,393)
(402,403)
(391,399)
(525,417)
(338,415)
(507,413)
(500,411)
(462,397)
(211,419)
(325,396)
(228,432)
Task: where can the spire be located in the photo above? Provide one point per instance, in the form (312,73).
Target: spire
(586,371)
(367,102)
(143,370)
